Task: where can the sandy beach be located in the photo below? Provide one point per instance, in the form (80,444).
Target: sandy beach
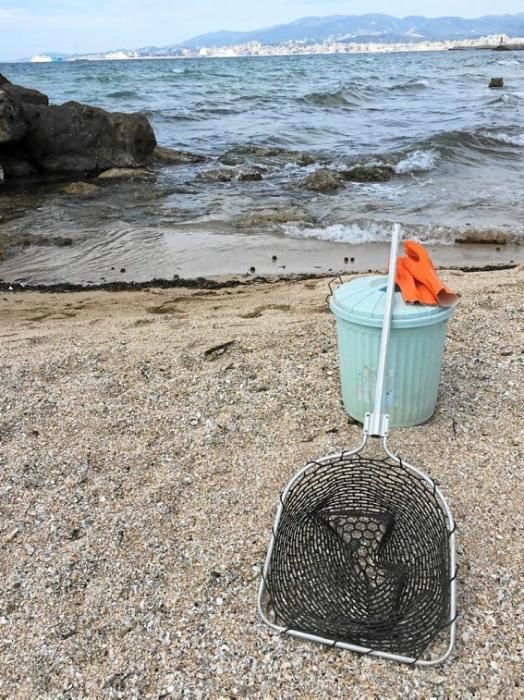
(144,439)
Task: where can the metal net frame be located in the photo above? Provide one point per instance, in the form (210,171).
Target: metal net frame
(362,556)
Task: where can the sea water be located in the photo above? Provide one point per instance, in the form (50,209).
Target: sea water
(456,148)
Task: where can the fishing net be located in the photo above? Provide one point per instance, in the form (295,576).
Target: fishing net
(361,555)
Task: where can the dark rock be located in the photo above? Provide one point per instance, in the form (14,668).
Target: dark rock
(229,174)
(12,123)
(171,156)
(16,161)
(231,159)
(496,83)
(368,173)
(124,173)
(76,138)
(273,216)
(323,181)
(217,175)
(248,174)
(487,236)
(21,94)
(36,137)
(283,153)
(80,188)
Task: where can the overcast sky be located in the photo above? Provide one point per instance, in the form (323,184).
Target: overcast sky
(28,27)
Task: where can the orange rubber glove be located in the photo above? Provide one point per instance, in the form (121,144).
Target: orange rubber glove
(418,280)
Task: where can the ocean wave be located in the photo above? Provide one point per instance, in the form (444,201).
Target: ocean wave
(462,146)
(508,98)
(327,99)
(363,232)
(504,137)
(356,233)
(181,117)
(417,162)
(414,85)
(123,94)
(509,62)
(97,78)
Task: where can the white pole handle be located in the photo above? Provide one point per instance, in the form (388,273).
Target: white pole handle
(376,422)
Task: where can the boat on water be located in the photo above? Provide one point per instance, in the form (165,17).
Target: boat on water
(46,58)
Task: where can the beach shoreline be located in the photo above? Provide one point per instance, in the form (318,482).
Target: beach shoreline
(145,437)
(208,260)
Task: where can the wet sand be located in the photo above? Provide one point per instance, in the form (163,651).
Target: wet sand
(225,255)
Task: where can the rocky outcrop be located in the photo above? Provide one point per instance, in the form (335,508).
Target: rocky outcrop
(124,174)
(263,217)
(172,156)
(13,126)
(368,173)
(23,95)
(80,188)
(249,174)
(217,175)
(323,180)
(229,174)
(36,137)
(16,161)
(78,138)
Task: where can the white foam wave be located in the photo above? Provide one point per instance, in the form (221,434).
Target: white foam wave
(418,161)
(362,232)
(512,139)
(511,97)
(341,233)
(509,62)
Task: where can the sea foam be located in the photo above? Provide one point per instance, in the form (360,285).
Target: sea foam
(418,161)
(504,137)
(365,232)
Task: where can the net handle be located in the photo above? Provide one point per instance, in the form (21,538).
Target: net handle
(376,422)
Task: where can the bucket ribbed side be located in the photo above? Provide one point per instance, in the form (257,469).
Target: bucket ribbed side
(412,373)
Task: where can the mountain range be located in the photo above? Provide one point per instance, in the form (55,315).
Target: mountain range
(376,28)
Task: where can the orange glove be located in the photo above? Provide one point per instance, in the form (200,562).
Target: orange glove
(418,280)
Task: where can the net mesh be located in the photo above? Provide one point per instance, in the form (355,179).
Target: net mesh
(361,555)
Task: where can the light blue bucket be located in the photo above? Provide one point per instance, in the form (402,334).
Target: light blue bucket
(415,351)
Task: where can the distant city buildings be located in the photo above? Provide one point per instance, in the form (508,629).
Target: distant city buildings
(290,48)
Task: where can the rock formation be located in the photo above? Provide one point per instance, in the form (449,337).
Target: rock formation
(39,138)
(323,180)
(368,173)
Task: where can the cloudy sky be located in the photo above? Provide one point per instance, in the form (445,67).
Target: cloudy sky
(28,27)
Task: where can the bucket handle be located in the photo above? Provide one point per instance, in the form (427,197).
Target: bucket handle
(331,292)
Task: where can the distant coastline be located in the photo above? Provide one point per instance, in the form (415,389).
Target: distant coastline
(495,42)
